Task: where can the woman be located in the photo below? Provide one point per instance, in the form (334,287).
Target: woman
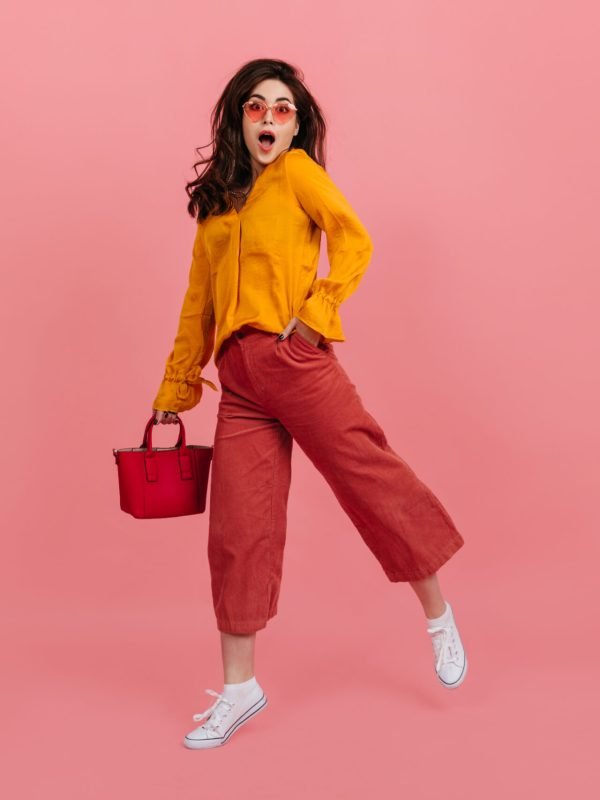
(255,301)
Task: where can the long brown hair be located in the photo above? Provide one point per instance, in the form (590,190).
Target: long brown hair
(229,166)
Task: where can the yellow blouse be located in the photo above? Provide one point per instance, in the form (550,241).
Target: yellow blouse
(258,266)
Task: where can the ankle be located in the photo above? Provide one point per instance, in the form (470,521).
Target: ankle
(236,690)
(439,613)
(238,677)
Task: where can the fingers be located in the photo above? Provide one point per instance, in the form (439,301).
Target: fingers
(308,333)
(165,417)
(288,328)
(312,336)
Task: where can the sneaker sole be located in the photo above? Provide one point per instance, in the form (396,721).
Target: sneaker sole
(458,682)
(203,744)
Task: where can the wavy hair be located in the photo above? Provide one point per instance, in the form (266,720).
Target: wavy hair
(229,166)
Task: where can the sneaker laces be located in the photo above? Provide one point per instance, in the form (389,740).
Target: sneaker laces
(215,713)
(446,649)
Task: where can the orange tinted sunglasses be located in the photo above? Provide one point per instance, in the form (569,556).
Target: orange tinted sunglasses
(256,110)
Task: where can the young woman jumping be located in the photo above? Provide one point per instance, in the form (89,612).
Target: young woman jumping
(254,300)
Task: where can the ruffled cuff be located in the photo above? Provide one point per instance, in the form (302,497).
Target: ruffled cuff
(320,311)
(180,389)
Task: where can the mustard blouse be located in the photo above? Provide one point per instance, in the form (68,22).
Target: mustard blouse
(258,266)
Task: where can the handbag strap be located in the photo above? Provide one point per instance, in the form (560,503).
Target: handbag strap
(185,462)
(147,440)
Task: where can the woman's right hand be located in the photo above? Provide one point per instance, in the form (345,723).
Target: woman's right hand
(165,417)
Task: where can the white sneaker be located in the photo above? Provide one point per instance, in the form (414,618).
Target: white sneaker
(224,717)
(448,652)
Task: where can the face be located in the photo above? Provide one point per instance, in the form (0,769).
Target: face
(269,91)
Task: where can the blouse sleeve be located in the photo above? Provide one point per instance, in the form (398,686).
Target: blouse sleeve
(181,387)
(349,246)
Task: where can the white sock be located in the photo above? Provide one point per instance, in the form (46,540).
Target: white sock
(237,690)
(441,619)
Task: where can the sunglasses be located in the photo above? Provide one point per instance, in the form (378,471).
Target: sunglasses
(256,110)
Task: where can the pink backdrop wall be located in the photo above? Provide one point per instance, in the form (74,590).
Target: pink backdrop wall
(466,136)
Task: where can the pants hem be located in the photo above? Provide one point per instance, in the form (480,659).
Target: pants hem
(432,567)
(242,628)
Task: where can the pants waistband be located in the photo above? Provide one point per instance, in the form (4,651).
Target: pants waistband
(241,333)
(245,330)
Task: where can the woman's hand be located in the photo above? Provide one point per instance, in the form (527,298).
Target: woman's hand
(311,335)
(165,417)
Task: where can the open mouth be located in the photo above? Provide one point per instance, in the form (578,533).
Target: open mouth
(266,140)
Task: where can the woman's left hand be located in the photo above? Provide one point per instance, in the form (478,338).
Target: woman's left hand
(313,336)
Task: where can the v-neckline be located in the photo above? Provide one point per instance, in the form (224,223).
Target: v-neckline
(254,185)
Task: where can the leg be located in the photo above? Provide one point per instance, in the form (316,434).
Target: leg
(237,652)
(250,480)
(398,516)
(429,593)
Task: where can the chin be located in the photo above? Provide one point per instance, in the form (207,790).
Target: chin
(267,156)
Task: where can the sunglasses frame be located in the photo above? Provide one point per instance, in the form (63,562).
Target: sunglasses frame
(267,108)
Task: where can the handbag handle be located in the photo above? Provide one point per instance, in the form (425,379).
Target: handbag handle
(147,440)
(185,462)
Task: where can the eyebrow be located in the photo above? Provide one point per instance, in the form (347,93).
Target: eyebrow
(265,99)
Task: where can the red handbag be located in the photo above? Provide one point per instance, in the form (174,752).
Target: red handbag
(164,481)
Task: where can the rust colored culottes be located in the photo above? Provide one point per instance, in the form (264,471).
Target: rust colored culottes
(275,391)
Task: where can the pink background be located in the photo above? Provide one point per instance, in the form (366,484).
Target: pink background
(466,137)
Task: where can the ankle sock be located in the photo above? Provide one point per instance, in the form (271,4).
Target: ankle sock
(236,690)
(441,619)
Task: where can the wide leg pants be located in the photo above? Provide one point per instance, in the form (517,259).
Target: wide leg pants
(276,391)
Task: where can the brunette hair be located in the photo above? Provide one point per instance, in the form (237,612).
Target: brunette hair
(229,167)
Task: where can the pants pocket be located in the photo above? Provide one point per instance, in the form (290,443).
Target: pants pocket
(322,347)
